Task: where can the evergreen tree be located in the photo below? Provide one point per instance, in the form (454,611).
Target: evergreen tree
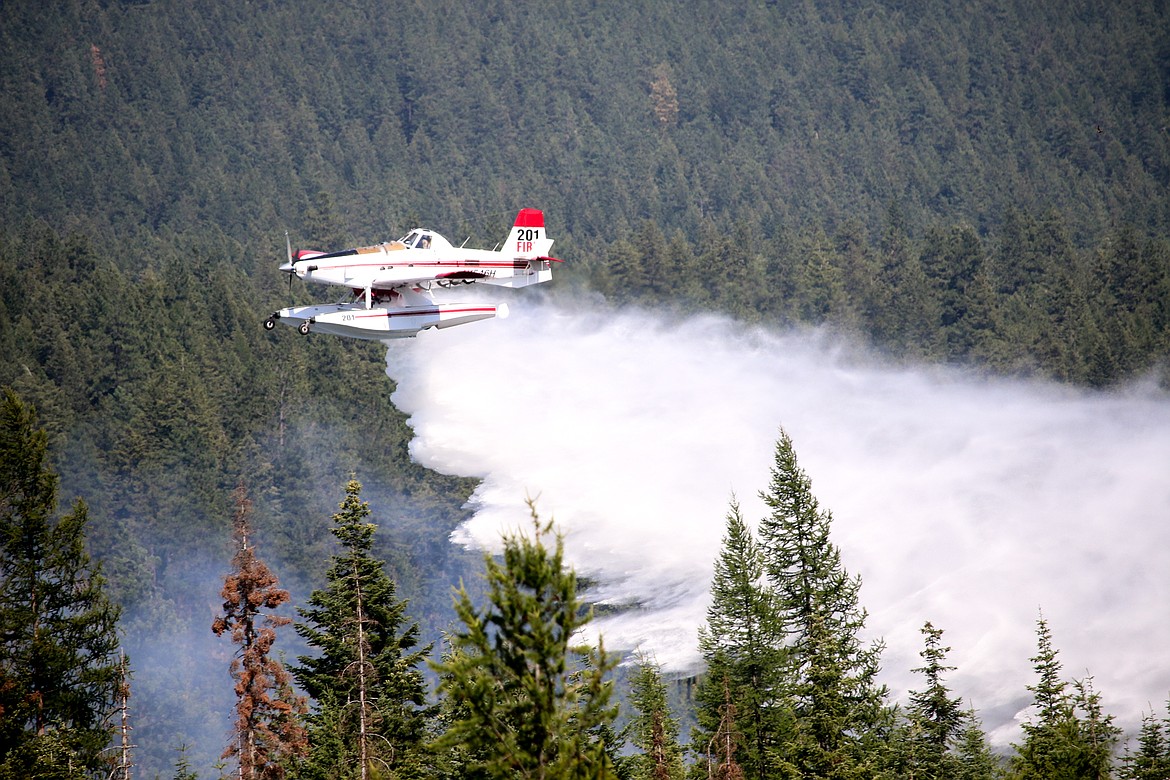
(267,733)
(740,644)
(1070,736)
(973,755)
(830,677)
(1094,733)
(1151,758)
(59,665)
(183,770)
(366,682)
(521,710)
(935,718)
(906,312)
(651,729)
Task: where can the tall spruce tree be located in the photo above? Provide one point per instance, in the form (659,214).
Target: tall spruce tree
(59,664)
(740,644)
(528,703)
(267,734)
(838,707)
(366,680)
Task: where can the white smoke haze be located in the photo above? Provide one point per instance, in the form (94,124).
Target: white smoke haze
(974,503)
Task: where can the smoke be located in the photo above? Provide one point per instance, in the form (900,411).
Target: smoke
(974,503)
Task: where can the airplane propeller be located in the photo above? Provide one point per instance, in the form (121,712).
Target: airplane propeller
(288,266)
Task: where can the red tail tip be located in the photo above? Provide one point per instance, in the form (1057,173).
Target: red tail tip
(530,218)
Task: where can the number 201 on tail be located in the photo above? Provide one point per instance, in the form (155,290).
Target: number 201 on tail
(525,237)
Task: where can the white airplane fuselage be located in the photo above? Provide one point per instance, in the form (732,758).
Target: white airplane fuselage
(392,282)
(425,256)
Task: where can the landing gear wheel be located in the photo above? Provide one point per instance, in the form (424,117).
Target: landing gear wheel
(304,328)
(269,324)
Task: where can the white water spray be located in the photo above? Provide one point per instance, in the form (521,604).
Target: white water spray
(968,502)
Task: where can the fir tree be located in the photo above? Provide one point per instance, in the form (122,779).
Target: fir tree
(183,770)
(1039,755)
(973,756)
(366,682)
(740,647)
(59,667)
(651,729)
(830,677)
(520,710)
(1094,733)
(267,733)
(1151,759)
(1070,736)
(936,720)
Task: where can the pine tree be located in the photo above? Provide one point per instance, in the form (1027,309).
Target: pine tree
(740,644)
(830,677)
(366,682)
(59,665)
(651,728)
(267,732)
(520,709)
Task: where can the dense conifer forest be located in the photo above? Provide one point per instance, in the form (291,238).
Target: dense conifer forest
(977,183)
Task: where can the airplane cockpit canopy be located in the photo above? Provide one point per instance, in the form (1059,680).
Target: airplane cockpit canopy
(414,238)
(423,239)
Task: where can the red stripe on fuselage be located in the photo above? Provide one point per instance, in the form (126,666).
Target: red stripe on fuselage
(427,312)
(430,264)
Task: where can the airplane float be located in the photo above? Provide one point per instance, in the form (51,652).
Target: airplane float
(391,283)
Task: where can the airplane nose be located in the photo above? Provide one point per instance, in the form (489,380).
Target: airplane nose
(288,268)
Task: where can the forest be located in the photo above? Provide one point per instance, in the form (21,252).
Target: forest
(980,184)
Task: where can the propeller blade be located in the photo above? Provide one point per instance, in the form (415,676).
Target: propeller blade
(288,265)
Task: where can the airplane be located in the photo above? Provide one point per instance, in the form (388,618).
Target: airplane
(391,283)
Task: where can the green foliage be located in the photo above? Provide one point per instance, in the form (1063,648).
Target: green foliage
(59,671)
(365,680)
(652,730)
(1149,759)
(782,644)
(936,729)
(741,648)
(528,703)
(1070,736)
(973,754)
(140,116)
(837,702)
(975,184)
(160,388)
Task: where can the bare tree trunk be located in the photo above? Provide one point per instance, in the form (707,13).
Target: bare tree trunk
(361,648)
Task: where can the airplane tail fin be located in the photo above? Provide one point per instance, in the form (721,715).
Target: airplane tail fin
(524,255)
(528,240)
